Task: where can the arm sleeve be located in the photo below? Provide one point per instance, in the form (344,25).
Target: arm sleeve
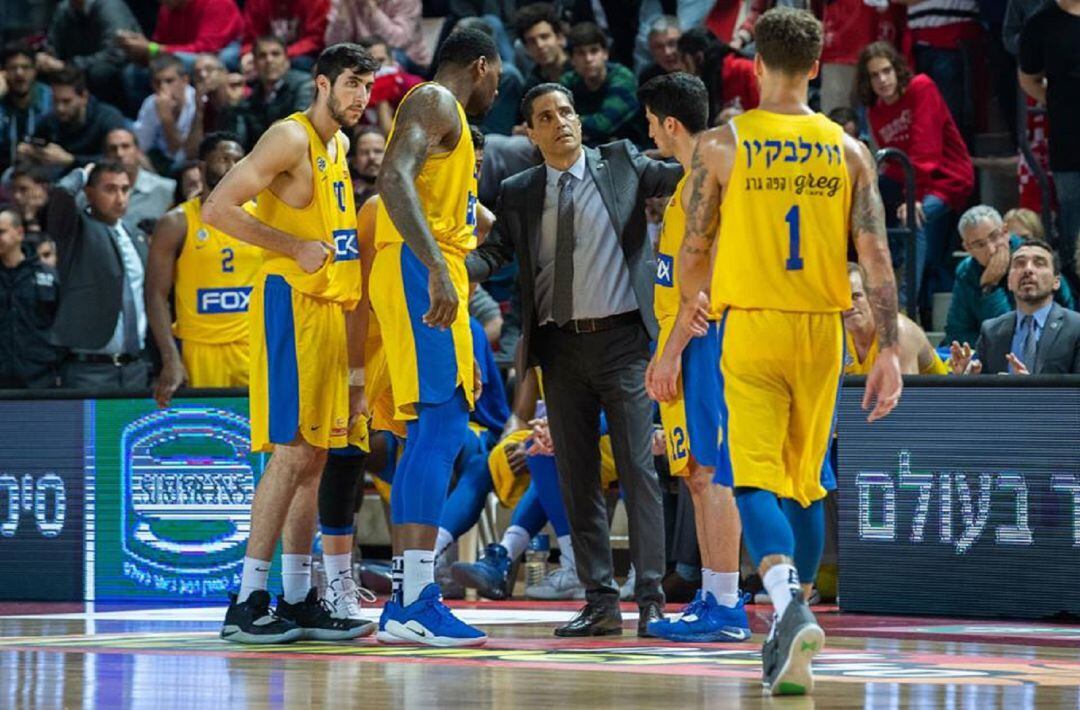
(1011,28)
(62,219)
(146,125)
(658,178)
(1032,58)
(927,135)
(496,250)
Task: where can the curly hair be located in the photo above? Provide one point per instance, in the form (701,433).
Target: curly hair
(789,40)
(879,50)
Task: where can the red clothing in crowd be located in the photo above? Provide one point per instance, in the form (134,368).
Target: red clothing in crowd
(198,26)
(301,23)
(919,123)
(392,85)
(739,82)
(850,25)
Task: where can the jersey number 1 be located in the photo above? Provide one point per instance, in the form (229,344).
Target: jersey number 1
(794,262)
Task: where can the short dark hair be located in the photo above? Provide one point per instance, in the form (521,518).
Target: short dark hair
(541,90)
(1055,259)
(105,167)
(475,23)
(679,95)
(585,34)
(789,40)
(365,129)
(465,45)
(879,50)
(69,76)
(15,49)
(32,171)
(478,138)
(335,59)
(166,61)
(212,140)
(372,40)
(114,129)
(843,114)
(533,14)
(272,39)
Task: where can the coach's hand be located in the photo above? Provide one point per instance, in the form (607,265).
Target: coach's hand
(444,299)
(884,384)
(172,377)
(311,255)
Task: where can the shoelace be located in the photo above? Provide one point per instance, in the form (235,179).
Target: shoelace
(695,607)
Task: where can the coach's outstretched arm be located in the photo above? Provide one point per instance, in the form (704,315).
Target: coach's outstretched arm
(884,383)
(280,150)
(425,124)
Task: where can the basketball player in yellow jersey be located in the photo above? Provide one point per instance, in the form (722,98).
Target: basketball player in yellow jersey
(305,393)
(212,274)
(419,289)
(773,195)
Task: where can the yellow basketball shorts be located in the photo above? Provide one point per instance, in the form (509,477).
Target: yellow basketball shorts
(299,368)
(216,364)
(691,420)
(779,384)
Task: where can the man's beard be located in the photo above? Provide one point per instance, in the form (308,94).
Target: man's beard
(333,106)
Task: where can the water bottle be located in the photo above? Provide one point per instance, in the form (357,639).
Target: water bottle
(536,558)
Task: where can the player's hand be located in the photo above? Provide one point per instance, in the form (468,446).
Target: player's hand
(664,384)
(962,360)
(358,404)
(172,377)
(444,299)
(920,216)
(1019,368)
(477,381)
(311,256)
(695,320)
(883,385)
(516,457)
(542,443)
(997,267)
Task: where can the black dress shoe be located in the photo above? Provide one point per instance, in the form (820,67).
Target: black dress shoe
(650,612)
(597,618)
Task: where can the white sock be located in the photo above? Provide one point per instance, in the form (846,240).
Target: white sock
(566,552)
(337,566)
(723,585)
(515,540)
(419,573)
(782,583)
(295,577)
(397,576)
(443,541)
(253,577)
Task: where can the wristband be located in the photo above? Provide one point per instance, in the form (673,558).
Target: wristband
(153,48)
(356,377)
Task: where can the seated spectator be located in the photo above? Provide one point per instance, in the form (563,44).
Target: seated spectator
(979,291)
(605,93)
(278,92)
(728,76)
(301,24)
(398,21)
(24,101)
(216,91)
(1040,337)
(46,251)
(102,266)
(908,113)
(368,148)
(72,135)
(166,116)
(1024,223)
(29,195)
(83,34)
(392,82)
(663,40)
(151,195)
(917,355)
(189,183)
(28,290)
(541,31)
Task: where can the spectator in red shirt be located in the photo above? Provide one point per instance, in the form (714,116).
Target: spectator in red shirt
(849,26)
(392,82)
(728,76)
(300,23)
(907,112)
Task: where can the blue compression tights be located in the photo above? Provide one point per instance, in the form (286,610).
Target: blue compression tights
(466,501)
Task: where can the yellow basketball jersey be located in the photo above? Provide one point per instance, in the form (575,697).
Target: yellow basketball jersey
(330,218)
(447,189)
(666,288)
(214,274)
(785,217)
(852,364)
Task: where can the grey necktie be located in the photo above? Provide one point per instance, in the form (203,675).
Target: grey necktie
(1028,349)
(130,345)
(562,309)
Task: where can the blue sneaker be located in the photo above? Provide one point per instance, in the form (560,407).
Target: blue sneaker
(392,610)
(489,576)
(429,622)
(705,620)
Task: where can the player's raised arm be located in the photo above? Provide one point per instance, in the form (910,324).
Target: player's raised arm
(276,153)
(884,383)
(427,123)
(710,169)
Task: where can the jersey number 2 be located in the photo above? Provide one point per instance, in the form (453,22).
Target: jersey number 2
(226,261)
(794,262)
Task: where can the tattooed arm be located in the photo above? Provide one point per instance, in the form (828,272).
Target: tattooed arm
(884,383)
(710,169)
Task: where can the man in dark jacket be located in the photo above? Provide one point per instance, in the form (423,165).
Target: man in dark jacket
(278,92)
(24,101)
(28,301)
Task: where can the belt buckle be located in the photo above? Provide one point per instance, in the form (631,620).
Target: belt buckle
(587,325)
(116,359)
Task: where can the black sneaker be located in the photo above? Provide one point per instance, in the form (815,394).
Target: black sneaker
(786,656)
(315,622)
(253,622)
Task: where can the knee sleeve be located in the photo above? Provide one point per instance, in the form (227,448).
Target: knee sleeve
(808,526)
(766,529)
(338,492)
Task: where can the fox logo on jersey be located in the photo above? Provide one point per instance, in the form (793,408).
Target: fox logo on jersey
(224,300)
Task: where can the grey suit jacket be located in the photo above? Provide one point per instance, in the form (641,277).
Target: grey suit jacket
(1058,351)
(625,179)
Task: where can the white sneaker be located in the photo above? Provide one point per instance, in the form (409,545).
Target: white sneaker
(344,597)
(560,583)
(626,591)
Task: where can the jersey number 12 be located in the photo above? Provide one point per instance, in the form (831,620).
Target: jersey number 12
(794,261)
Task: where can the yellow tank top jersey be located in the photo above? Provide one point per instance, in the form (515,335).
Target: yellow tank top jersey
(854,366)
(666,288)
(330,218)
(785,217)
(214,275)
(447,190)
